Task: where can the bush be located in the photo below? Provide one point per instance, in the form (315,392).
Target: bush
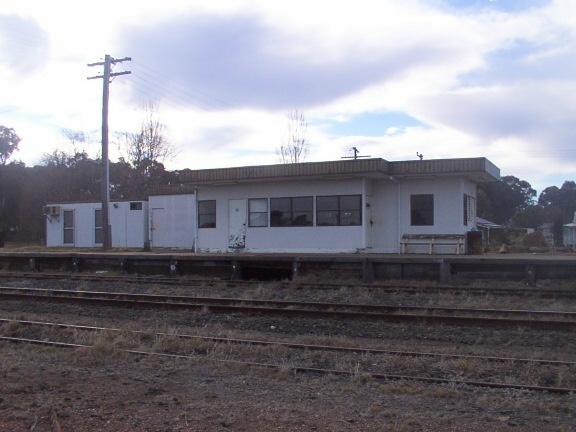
(535,239)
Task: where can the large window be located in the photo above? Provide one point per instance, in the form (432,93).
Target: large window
(339,210)
(469,209)
(207,214)
(422,209)
(68,226)
(258,212)
(297,211)
(98,233)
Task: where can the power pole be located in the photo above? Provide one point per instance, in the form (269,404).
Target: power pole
(107,63)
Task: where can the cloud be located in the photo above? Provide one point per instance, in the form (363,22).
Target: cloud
(242,60)
(24,45)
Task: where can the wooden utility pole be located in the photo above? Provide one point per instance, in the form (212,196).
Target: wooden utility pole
(107,63)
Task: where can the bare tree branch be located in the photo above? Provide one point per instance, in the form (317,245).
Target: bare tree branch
(295,148)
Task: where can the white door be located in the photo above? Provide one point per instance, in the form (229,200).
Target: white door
(158,228)
(237,224)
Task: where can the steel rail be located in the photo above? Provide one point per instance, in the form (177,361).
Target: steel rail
(295,285)
(305,369)
(300,346)
(317,306)
(323,310)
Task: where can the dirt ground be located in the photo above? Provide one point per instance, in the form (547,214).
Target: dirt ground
(48,389)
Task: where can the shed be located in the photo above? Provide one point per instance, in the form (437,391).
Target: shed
(80,224)
(569,233)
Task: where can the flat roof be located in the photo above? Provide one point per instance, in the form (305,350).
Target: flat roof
(477,170)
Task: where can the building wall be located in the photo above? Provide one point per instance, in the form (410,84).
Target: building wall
(172,221)
(281,239)
(129,227)
(448,205)
(385,216)
(390,208)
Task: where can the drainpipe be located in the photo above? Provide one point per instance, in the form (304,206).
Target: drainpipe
(398,211)
(195,219)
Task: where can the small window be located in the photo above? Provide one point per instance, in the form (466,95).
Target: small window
(68,226)
(258,212)
(339,210)
(297,211)
(98,233)
(135,206)
(469,209)
(207,214)
(422,210)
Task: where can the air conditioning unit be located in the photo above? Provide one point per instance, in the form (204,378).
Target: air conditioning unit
(51,210)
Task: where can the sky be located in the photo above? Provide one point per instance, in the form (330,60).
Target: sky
(393,78)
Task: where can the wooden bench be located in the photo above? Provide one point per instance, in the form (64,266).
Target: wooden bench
(432,241)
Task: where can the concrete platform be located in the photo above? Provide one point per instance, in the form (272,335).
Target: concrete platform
(446,269)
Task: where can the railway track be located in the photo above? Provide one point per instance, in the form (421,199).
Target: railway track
(564,293)
(8,326)
(548,320)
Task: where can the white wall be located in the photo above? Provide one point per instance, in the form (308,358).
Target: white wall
(129,227)
(384,222)
(448,205)
(172,221)
(282,239)
(169,221)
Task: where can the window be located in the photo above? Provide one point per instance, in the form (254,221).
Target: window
(258,212)
(98,233)
(135,206)
(207,214)
(469,208)
(339,210)
(422,209)
(68,226)
(297,211)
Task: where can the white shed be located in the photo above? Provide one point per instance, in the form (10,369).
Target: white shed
(80,224)
(569,233)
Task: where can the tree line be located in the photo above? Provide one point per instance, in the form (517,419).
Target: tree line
(74,176)
(513,202)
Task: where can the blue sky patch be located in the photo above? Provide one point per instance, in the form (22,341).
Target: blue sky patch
(502,5)
(372,124)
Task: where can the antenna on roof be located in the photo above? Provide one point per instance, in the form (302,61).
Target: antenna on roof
(356,156)
(420,155)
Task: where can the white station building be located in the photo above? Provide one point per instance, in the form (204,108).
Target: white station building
(348,206)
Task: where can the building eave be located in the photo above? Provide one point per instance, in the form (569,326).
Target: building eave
(477,170)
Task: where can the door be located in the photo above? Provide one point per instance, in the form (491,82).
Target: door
(158,228)
(237,224)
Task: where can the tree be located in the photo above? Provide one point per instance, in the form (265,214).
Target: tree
(72,174)
(500,201)
(530,217)
(8,143)
(295,148)
(563,200)
(146,151)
